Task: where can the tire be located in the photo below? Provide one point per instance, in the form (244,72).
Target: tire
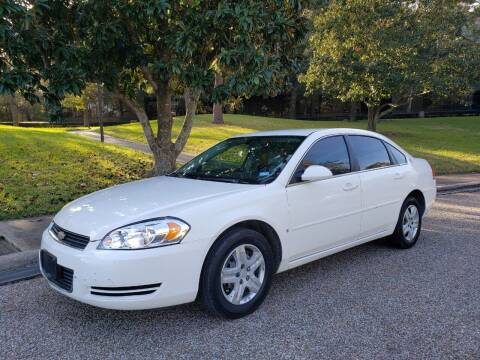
(408,238)
(223,264)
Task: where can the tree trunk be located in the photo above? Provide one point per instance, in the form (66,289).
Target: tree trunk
(191,101)
(372,117)
(409,105)
(353,111)
(164,154)
(316,105)
(100,111)
(164,151)
(86,120)
(292,107)
(218,107)
(13,108)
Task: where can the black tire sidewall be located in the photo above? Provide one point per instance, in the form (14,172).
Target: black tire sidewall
(212,294)
(399,236)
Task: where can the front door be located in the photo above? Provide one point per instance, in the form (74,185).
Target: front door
(325,213)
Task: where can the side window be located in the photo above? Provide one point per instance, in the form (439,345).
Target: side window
(330,152)
(369,151)
(397,156)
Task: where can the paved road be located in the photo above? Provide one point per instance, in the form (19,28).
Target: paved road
(369,302)
(182,158)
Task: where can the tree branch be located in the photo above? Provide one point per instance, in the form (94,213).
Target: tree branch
(142,118)
(148,76)
(389,107)
(387,111)
(191,100)
(134,38)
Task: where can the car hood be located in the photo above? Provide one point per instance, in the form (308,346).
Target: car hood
(96,214)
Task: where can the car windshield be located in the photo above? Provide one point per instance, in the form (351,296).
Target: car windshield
(245,160)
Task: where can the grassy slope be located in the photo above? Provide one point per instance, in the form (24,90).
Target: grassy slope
(451,144)
(42,169)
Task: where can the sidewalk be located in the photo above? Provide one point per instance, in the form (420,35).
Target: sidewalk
(182,158)
(457,181)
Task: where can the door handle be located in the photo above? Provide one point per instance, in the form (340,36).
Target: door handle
(350,186)
(398,176)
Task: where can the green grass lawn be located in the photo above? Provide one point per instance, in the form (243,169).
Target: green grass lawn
(451,144)
(43,169)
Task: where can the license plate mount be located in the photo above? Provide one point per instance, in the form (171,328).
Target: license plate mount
(49,265)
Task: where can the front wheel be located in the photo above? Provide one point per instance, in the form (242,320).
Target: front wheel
(237,274)
(409,224)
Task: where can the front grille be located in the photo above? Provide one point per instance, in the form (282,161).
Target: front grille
(125,290)
(69,238)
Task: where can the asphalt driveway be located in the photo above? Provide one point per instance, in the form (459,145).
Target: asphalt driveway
(373,301)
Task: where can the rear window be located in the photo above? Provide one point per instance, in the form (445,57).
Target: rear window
(370,152)
(397,156)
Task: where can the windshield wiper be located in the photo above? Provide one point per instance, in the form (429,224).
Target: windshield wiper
(220,179)
(210,178)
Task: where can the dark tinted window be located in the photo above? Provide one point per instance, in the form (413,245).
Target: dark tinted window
(370,152)
(397,155)
(330,152)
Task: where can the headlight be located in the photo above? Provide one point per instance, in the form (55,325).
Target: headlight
(148,234)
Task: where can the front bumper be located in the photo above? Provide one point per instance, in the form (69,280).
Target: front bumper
(174,270)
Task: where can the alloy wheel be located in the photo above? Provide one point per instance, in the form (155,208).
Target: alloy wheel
(243,273)
(411,220)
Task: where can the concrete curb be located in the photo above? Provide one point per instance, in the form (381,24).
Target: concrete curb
(18,260)
(460,186)
(19,266)
(23,273)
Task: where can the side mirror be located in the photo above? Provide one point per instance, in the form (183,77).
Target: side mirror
(316,172)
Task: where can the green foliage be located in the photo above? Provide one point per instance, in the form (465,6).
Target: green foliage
(38,51)
(56,46)
(374,50)
(181,42)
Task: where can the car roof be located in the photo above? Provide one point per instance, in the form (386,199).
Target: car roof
(307,132)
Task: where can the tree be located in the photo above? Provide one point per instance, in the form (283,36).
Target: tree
(37,53)
(153,46)
(159,47)
(384,53)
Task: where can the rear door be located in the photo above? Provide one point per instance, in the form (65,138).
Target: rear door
(383,183)
(325,213)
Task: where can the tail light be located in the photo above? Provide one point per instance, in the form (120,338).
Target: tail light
(433,171)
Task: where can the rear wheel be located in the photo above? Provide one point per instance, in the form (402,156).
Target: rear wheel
(237,274)
(409,224)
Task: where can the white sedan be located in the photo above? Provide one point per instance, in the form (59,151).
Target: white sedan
(219,227)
